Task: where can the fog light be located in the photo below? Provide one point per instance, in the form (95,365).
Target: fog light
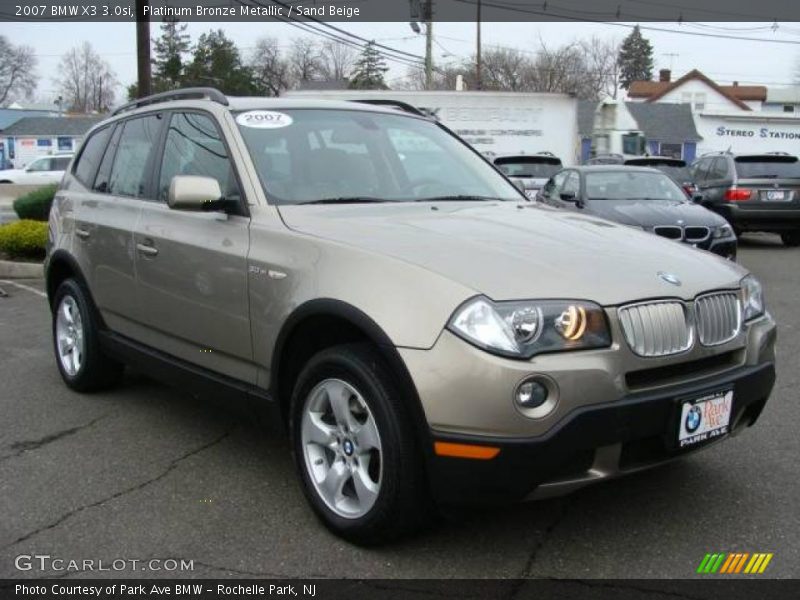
(531,394)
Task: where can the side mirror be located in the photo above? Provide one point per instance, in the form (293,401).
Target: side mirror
(568,197)
(698,198)
(191,192)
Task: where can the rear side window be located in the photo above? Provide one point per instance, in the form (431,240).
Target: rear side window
(718,170)
(770,167)
(61,163)
(91,155)
(194,147)
(129,175)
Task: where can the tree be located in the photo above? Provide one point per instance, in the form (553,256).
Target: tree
(304,59)
(635,59)
(271,71)
(170,48)
(17,71)
(87,83)
(505,69)
(336,60)
(216,61)
(368,73)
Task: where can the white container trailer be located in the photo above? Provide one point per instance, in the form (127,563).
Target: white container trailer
(494,123)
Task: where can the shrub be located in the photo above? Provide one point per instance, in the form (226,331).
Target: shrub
(36,204)
(23,239)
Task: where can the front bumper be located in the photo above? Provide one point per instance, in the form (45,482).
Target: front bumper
(592,444)
(613,411)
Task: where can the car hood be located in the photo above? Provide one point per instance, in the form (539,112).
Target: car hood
(649,213)
(508,251)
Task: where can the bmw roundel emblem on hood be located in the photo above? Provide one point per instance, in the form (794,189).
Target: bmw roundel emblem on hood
(669,278)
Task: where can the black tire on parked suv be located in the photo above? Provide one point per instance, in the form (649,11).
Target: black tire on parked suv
(791,239)
(76,344)
(355,447)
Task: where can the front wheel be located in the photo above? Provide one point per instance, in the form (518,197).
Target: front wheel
(355,448)
(791,239)
(81,362)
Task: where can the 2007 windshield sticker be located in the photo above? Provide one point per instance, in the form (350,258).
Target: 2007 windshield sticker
(264,119)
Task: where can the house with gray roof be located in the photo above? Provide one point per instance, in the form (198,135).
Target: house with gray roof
(31,137)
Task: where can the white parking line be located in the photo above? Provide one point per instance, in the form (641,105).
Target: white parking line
(24,287)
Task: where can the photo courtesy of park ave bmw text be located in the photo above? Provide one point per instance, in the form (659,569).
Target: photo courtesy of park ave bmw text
(391,298)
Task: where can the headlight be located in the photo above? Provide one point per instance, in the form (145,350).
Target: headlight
(525,328)
(752,298)
(723,231)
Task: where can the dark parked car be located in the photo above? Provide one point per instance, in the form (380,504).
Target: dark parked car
(640,197)
(754,192)
(529,171)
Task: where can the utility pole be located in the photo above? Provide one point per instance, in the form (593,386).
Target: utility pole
(478,59)
(145,80)
(428,44)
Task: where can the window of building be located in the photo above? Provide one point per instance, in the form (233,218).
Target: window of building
(672,150)
(788,108)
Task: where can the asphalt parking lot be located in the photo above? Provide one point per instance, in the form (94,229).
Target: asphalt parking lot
(146,472)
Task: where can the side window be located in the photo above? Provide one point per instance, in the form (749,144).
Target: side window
(718,170)
(40,165)
(194,147)
(572,185)
(91,155)
(104,172)
(558,181)
(61,163)
(700,170)
(129,174)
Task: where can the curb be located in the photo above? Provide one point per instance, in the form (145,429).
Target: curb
(10,269)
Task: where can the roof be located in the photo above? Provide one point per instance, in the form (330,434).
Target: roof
(784,95)
(737,94)
(74,126)
(615,168)
(670,123)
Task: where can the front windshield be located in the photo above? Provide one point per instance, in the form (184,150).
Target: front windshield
(311,155)
(529,167)
(633,185)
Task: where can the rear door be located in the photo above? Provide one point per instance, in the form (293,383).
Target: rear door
(192,266)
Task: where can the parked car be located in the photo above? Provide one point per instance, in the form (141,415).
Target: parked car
(641,197)
(529,171)
(367,278)
(754,192)
(606,159)
(674,167)
(44,170)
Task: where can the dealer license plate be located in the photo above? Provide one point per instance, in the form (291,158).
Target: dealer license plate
(776,195)
(705,418)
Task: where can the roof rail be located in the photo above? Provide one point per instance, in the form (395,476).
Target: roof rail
(404,106)
(207,93)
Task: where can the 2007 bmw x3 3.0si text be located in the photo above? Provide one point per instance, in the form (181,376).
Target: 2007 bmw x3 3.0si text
(426,336)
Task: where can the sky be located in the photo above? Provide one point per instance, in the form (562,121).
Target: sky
(724,60)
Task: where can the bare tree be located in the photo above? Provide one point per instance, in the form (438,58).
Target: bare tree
(17,71)
(601,58)
(304,59)
(271,70)
(87,82)
(445,77)
(336,60)
(505,69)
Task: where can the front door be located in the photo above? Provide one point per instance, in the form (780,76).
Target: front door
(192,266)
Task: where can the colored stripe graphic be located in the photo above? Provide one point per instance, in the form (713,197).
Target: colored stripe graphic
(734,562)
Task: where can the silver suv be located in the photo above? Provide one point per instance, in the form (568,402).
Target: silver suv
(363,275)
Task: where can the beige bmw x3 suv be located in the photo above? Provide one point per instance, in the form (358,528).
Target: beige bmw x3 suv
(426,335)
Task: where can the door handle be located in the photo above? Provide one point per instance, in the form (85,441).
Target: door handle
(82,233)
(147,249)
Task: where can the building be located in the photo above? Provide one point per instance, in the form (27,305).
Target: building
(31,137)
(783,100)
(699,91)
(637,128)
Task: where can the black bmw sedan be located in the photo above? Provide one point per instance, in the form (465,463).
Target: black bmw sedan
(640,197)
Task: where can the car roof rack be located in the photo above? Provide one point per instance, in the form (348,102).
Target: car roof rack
(207,93)
(404,106)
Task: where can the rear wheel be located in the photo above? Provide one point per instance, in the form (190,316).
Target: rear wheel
(355,448)
(791,239)
(80,360)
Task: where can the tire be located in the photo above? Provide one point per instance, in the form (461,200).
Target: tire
(75,324)
(791,239)
(381,492)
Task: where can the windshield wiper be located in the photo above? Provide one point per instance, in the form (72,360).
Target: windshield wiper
(345,200)
(459,198)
